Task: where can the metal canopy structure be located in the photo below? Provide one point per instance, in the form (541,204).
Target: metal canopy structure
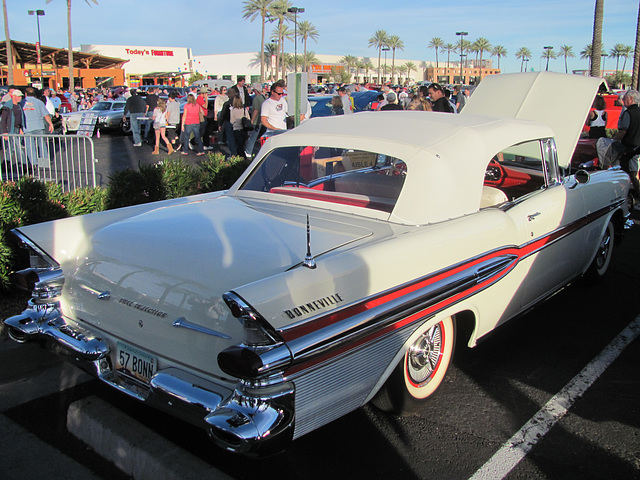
(25,54)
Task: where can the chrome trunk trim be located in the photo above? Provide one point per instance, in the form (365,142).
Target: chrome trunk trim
(184,323)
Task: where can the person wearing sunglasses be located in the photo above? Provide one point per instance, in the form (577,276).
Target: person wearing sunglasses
(273,114)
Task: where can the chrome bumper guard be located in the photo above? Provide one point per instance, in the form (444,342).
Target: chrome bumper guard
(248,420)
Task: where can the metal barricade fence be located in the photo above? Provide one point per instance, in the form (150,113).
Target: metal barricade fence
(67,160)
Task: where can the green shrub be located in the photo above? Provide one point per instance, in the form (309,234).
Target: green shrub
(86,200)
(6,260)
(27,201)
(219,172)
(134,187)
(179,178)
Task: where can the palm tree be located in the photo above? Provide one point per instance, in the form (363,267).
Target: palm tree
(8,44)
(350,62)
(402,70)
(587,52)
(71,72)
(616,52)
(474,48)
(625,52)
(524,54)
(367,66)
(548,53)
(410,66)
(278,12)
(309,57)
(393,43)
(251,10)
(270,49)
(306,31)
(436,43)
(449,48)
(281,33)
(597,38)
(379,40)
(463,46)
(499,51)
(566,51)
(482,45)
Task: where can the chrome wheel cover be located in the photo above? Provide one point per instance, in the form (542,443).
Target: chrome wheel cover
(424,356)
(603,249)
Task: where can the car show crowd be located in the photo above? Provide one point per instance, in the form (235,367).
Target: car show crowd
(237,119)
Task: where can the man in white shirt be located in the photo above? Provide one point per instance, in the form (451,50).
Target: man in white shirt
(51,108)
(273,114)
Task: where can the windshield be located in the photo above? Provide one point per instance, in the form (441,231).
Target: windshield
(100,106)
(336,175)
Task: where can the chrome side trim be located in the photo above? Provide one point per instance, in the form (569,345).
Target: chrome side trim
(359,325)
(184,323)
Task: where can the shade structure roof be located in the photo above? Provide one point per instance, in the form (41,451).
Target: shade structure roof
(26,54)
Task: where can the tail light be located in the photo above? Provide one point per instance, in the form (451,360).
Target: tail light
(262,351)
(44,283)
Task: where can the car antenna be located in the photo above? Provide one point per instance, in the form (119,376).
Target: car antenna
(309,261)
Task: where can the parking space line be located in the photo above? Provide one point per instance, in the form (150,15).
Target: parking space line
(518,446)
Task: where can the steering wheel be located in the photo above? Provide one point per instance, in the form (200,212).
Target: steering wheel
(494,173)
(399,169)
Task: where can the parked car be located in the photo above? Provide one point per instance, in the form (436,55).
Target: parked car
(111,119)
(337,270)
(321,104)
(109,116)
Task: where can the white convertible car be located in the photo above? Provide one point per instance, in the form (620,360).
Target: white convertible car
(337,270)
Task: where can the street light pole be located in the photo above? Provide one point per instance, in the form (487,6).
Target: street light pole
(548,54)
(38,14)
(295,11)
(461,35)
(385,50)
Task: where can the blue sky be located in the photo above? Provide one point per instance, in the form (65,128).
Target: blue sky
(215,26)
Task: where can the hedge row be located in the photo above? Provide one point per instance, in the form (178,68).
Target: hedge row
(30,201)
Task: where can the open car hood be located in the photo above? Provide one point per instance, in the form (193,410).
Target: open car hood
(534,96)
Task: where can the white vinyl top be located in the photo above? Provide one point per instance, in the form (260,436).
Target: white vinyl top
(447,154)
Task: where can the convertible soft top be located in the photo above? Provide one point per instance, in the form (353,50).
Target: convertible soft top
(446,155)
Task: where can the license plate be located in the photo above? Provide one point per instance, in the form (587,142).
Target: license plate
(135,364)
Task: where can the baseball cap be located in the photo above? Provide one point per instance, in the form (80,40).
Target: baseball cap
(17,93)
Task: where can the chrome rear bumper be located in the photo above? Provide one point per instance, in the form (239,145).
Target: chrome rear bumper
(246,420)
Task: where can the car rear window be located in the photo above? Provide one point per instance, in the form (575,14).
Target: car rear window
(335,175)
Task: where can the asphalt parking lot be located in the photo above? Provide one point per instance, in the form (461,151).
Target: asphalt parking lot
(60,423)
(116,152)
